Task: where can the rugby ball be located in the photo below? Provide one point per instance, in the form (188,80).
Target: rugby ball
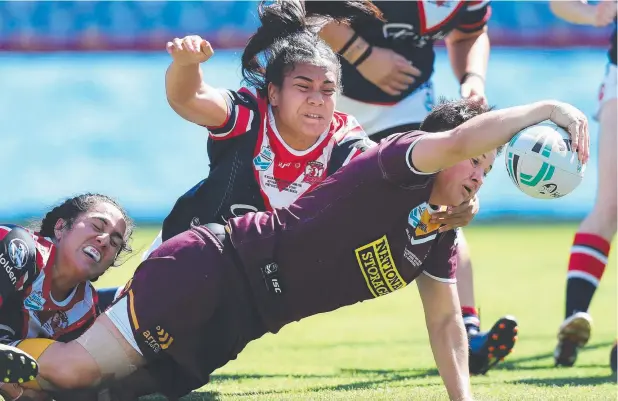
(540,162)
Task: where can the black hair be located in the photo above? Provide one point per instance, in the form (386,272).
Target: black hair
(72,208)
(288,35)
(448,114)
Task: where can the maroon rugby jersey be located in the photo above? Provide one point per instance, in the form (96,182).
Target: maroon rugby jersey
(333,247)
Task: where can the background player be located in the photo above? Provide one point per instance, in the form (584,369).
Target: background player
(592,241)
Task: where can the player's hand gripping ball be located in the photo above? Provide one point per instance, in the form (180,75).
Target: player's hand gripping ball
(542,163)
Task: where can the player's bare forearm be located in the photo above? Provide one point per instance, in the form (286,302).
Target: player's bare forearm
(477,136)
(576,12)
(450,350)
(447,335)
(336,34)
(468,52)
(193,99)
(183,82)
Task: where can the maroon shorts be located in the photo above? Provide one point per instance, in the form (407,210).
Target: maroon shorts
(188,304)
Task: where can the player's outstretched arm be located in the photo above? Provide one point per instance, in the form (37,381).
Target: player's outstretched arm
(186,91)
(488,131)
(447,335)
(582,13)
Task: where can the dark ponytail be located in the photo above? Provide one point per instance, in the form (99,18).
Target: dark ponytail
(343,11)
(288,35)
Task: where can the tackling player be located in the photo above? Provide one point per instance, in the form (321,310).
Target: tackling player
(387,66)
(274,268)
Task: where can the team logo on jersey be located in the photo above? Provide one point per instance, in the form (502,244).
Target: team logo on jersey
(313,172)
(263,161)
(58,322)
(18,253)
(376,262)
(420,229)
(35,301)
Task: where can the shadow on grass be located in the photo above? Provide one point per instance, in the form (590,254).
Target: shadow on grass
(359,379)
(568,381)
(516,363)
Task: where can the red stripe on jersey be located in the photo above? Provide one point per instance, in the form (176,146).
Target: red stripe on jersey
(258,148)
(423,18)
(242,117)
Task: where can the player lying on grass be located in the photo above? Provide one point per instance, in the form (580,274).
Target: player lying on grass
(327,250)
(45,289)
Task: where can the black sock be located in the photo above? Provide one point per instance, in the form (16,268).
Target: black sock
(578,295)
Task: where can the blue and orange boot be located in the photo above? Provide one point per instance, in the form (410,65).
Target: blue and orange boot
(488,348)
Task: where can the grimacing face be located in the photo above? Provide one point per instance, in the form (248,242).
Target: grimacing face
(459,183)
(305,103)
(90,246)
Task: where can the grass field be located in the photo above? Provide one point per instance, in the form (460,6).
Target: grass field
(379,350)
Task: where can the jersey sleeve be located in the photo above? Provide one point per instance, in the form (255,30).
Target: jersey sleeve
(475,16)
(441,265)
(18,260)
(242,113)
(394,158)
(351,141)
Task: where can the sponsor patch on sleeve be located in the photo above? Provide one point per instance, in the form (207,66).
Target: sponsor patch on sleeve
(376,262)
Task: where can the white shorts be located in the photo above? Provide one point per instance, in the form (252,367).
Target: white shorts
(155,244)
(608,89)
(375,117)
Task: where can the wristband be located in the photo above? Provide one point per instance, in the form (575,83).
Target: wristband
(348,44)
(471,74)
(363,56)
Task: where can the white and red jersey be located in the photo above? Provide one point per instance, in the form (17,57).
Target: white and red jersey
(252,168)
(28,309)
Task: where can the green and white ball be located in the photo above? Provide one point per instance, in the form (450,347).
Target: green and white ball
(541,163)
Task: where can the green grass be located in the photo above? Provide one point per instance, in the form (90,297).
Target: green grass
(379,350)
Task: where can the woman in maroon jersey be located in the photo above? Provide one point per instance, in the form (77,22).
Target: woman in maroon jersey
(327,250)
(387,73)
